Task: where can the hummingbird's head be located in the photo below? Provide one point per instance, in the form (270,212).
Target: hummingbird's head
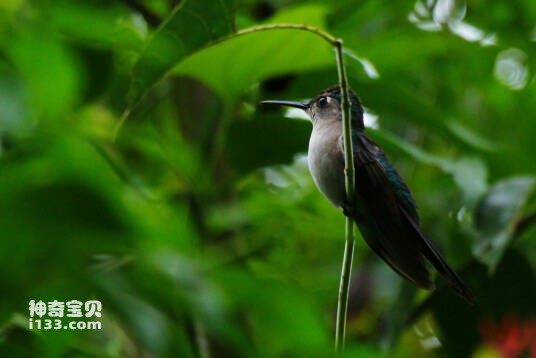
(327,107)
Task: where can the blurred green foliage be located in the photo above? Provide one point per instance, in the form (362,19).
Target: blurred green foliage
(199,227)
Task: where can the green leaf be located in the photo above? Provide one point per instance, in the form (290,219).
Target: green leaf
(469,173)
(470,137)
(54,82)
(252,144)
(497,215)
(192,25)
(94,26)
(240,62)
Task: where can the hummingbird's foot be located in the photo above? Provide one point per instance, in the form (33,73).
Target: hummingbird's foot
(348,210)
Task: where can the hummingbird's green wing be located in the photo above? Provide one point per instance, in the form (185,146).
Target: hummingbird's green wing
(379,218)
(387,217)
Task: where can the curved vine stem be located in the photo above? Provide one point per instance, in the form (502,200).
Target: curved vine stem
(349,171)
(332,40)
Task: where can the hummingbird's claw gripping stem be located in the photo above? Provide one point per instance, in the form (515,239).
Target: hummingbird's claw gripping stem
(348,210)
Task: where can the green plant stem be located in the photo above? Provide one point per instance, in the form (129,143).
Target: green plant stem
(349,170)
(344,286)
(201,339)
(332,40)
(347,125)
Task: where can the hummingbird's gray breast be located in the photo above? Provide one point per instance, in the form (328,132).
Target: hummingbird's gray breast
(326,162)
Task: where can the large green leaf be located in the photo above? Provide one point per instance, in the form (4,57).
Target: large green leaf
(192,25)
(469,173)
(252,144)
(94,26)
(497,215)
(240,62)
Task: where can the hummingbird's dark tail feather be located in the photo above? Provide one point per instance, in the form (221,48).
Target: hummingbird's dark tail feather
(439,263)
(399,254)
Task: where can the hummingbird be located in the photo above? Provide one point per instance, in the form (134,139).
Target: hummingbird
(383,207)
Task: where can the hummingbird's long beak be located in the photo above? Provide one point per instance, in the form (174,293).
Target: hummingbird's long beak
(300,105)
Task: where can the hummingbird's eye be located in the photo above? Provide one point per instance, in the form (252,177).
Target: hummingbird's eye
(322,102)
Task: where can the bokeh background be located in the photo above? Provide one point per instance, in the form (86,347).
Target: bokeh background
(137,168)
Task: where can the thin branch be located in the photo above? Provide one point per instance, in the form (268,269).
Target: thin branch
(347,125)
(344,287)
(349,170)
(203,344)
(332,40)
